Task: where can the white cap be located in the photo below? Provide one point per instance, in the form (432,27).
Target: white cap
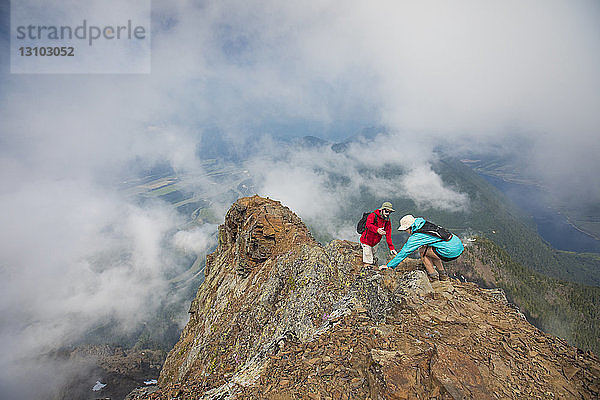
(406,222)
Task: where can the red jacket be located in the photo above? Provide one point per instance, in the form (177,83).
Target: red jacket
(370,235)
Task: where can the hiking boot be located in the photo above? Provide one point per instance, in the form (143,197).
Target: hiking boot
(443,276)
(432,277)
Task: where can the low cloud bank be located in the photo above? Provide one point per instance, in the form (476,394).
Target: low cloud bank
(319,183)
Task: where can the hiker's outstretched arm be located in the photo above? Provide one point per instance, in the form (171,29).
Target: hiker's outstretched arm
(388,235)
(411,245)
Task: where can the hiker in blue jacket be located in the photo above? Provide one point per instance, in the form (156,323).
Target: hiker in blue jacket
(432,249)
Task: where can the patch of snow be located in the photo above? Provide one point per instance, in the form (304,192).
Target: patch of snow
(151,382)
(98,386)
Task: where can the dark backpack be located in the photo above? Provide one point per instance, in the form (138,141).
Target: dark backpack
(362,224)
(432,229)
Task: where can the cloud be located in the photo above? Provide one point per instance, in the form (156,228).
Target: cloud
(466,71)
(70,252)
(318,183)
(426,188)
(75,258)
(194,241)
(75,249)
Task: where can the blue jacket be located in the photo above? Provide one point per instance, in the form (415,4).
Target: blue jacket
(451,248)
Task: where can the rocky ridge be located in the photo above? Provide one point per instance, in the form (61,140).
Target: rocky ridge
(280,316)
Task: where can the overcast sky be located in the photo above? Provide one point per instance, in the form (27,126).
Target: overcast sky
(466,71)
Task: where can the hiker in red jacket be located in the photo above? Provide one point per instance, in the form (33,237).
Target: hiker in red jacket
(378,224)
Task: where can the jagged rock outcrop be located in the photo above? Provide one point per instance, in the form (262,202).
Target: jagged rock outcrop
(281,317)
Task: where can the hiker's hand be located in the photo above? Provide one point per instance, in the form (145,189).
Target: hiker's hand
(381,231)
(394,252)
